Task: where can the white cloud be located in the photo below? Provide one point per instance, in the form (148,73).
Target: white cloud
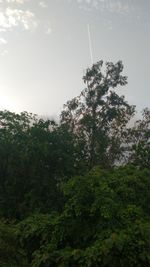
(16,1)
(42,4)
(20,2)
(48,28)
(11,18)
(113,6)
(13,13)
(3,41)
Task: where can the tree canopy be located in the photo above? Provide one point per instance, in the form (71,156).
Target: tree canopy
(76,192)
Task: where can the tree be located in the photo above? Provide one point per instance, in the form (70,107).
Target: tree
(35,157)
(105,222)
(139,137)
(11,254)
(53,210)
(98,116)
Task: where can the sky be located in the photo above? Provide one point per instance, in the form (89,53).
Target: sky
(44,50)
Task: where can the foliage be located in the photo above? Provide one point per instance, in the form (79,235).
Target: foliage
(105,222)
(76,193)
(35,155)
(11,255)
(140,139)
(98,116)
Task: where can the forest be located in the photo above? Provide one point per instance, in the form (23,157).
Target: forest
(75,192)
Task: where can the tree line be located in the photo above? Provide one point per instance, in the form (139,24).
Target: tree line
(76,192)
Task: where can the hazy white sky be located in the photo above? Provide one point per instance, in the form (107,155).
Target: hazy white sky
(44,49)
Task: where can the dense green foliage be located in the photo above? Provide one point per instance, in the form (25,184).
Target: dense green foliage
(76,193)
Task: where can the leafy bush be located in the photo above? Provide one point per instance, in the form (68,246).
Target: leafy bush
(105,222)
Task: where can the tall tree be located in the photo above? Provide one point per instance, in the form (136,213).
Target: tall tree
(139,136)
(98,115)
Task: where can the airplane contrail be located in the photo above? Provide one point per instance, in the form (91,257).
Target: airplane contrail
(90,43)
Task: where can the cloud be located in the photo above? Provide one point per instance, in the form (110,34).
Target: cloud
(3,51)
(3,41)
(15,1)
(13,17)
(48,28)
(42,4)
(113,6)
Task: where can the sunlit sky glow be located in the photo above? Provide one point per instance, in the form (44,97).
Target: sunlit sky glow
(44,49)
